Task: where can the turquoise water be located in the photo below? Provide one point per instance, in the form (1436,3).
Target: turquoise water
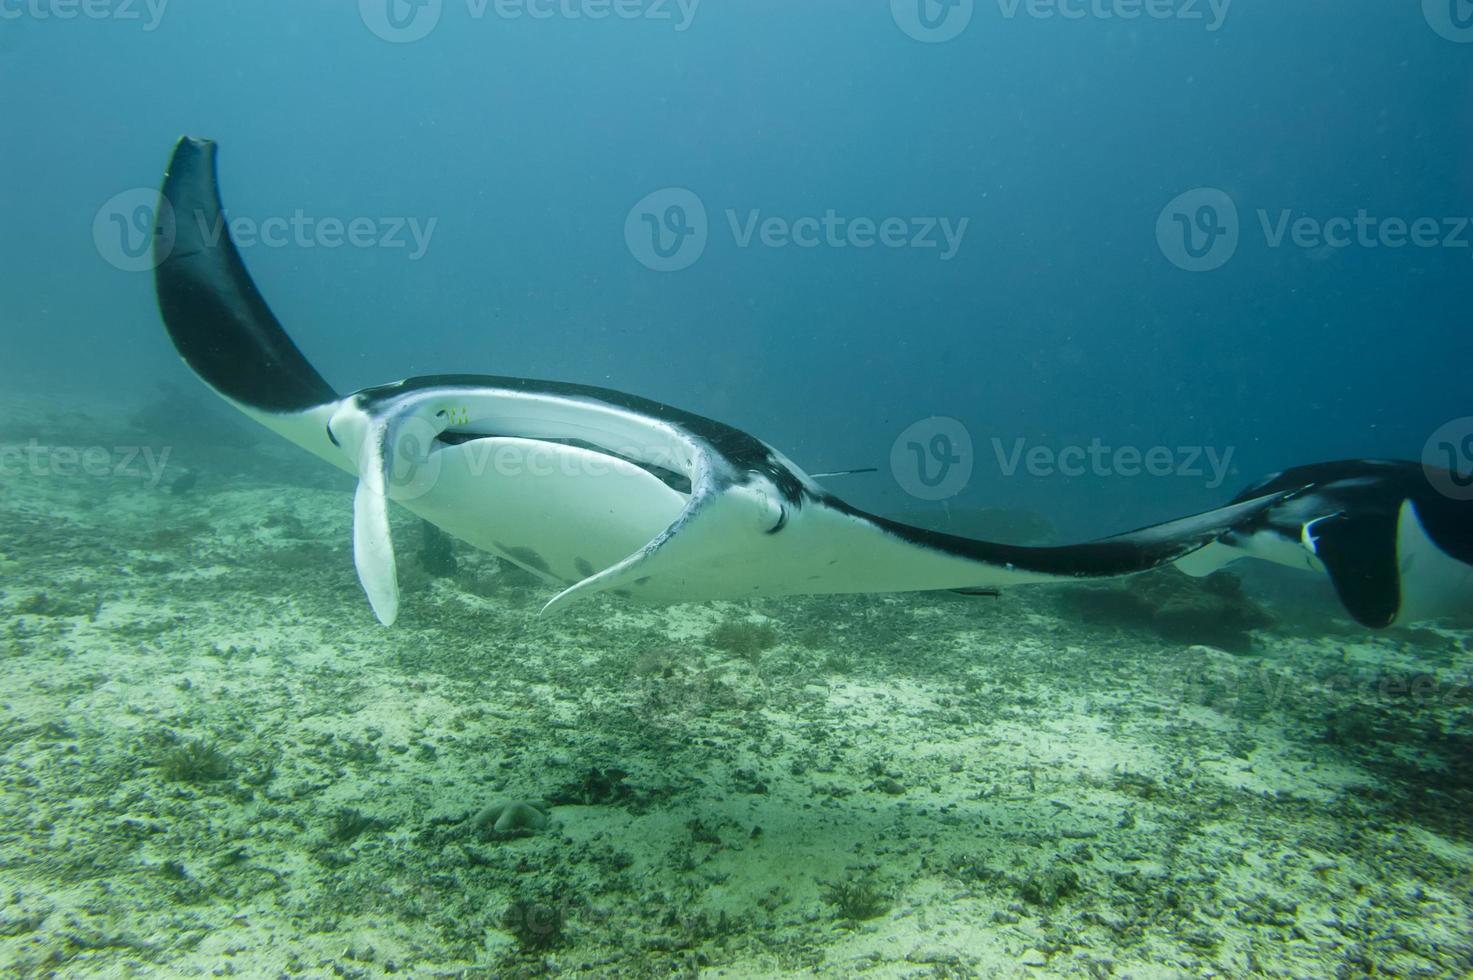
(1030,273)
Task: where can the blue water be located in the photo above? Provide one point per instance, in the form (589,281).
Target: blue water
(1059,320)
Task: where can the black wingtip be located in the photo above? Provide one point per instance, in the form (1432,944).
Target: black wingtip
(190,190)
(216,317)
(1359,553)
(191,146)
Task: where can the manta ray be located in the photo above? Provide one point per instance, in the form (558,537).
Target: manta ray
(1394,537)
(594,490)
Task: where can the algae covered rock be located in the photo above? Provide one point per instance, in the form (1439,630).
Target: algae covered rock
(1212,611)
(197,760)
(1049,886)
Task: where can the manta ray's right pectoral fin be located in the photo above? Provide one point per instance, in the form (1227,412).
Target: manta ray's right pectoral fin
(373,546)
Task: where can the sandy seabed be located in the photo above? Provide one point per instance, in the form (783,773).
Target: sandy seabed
(214,762)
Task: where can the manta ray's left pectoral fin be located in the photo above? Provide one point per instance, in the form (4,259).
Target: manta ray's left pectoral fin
(373,546)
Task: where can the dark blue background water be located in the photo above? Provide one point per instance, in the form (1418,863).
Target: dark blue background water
(1058,321)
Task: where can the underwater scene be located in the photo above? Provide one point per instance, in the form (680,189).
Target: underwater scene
(683,488)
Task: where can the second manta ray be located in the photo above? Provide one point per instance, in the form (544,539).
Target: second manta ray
(594,490)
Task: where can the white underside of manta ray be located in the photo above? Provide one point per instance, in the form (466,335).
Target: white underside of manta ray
(591,490)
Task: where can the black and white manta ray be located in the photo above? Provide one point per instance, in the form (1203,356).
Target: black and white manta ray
(1395,542)
(592,489)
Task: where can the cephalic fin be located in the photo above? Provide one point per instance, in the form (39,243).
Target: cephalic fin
(373,545)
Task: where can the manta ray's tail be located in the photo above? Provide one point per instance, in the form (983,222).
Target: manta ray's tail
(216,317)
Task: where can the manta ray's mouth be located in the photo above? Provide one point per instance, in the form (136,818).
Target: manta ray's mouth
(679,482)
